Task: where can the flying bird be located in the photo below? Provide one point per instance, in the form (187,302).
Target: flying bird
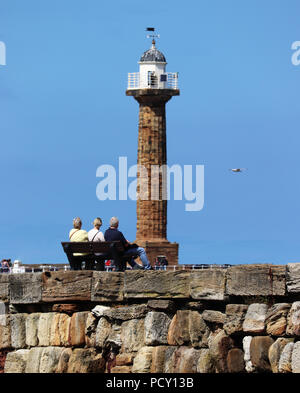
(238,169)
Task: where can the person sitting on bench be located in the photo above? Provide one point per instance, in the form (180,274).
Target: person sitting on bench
(95,235)
(131,250)
(79,235)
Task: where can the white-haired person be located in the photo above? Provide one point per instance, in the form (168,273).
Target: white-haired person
(79,235)
(131,250)
(95,235)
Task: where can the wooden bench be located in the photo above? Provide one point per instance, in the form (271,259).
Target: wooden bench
(93,248)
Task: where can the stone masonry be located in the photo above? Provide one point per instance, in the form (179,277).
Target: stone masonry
(152,322)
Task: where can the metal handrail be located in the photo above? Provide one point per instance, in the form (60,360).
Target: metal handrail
(134,81)
(65,268)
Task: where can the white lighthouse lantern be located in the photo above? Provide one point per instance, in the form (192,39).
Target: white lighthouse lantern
(153,69)
(152,73)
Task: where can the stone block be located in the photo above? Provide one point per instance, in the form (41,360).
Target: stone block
(107,286)
(285,361)
(259,353)
(275,351)
(100,311)
(185,360)
(18,330)
(208,284)
(156,328)
(161,305)
(188,327)
(293,320)
(276,319)
(86,360)
(67,286)
(219,346)
(235,361)
(213,316)
(33,360)
(5,329)
(247,358)
(296,358)
(158,359)
(255,280)
(114,339)
(31,325)
(102,332)
(235,315)
(62,366)
(67,308)
(179,332)
(198,330)
(25,288)
(121,313)
(44,329)
(4,288)
(124,359)
(168,366)
(16,361)
(77,328)
(255,318)
(64,329)
(132,335)
(90,330)
(143,360)
(121,370)
(156,284)
(55,333)
(293,277)
(49,359)
(205,363)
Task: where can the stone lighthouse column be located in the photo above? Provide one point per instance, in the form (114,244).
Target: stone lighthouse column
(152,92)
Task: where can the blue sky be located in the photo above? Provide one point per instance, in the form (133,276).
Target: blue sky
(64,112)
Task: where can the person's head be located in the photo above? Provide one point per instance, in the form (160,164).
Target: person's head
(97,223)
(77,223)
(114,222)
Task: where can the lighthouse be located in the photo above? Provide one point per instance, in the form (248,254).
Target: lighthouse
(152,87)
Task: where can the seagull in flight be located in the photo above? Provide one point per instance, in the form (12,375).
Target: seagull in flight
(238,169)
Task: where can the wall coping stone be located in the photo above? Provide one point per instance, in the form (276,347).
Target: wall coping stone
(211,284)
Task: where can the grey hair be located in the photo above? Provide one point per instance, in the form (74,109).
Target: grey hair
(113,222)
(77,223)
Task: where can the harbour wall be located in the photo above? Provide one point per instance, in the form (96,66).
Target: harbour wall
(243,319)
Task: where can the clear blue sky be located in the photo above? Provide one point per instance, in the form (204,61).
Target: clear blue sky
(63,113)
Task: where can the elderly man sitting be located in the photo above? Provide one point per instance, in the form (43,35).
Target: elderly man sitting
(132,251)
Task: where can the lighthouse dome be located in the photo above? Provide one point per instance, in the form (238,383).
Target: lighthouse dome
(153,54)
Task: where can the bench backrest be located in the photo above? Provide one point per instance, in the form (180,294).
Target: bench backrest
(90,247)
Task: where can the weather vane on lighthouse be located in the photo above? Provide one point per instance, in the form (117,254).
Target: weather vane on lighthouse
(152,35)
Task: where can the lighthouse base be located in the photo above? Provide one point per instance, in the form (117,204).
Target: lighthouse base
(156,248)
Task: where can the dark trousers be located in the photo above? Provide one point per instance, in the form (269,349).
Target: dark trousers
(76,262)
(117,257)
(100,261)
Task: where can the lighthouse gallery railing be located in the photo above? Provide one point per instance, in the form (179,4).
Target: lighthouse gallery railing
(170,83)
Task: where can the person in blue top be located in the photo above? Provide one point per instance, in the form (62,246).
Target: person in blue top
(131,250)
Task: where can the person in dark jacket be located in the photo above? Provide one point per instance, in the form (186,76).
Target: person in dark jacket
(131,250)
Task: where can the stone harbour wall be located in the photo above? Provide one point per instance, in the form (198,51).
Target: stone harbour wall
(244,319)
